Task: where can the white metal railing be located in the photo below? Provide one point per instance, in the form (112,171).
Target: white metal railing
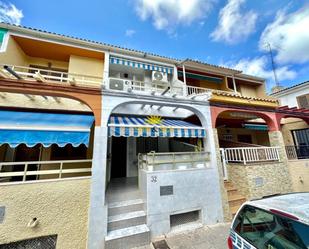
(44,75)
(251,154)
(51,169)
(195,91)
(128,85)
(173,160)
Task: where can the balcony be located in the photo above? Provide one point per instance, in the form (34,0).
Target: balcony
(173,161)
(21,171)
(49,76)
(247,155)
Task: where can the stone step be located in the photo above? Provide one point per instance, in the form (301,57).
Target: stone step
(127,238)
(234,209)
(126,220)
(122,207)
(235,197)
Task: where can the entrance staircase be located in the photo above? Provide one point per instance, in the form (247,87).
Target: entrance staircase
(235,199)
(126,225)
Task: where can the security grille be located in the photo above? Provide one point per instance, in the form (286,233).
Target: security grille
(46,242)
(184,218)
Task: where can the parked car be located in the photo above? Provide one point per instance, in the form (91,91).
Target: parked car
(278,222)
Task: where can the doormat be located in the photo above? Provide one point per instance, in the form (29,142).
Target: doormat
(161,244)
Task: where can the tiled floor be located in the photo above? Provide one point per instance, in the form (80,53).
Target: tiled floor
(208,237)
(122,189)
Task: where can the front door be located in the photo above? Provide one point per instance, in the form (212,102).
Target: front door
(119,157)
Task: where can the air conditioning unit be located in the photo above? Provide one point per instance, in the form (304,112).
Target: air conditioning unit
(120,85)
(159,76)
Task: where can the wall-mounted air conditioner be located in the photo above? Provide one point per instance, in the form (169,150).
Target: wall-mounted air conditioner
(120,85)
(159,76)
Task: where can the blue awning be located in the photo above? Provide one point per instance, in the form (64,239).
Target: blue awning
(33,128)
(258,127)
(139,64)
(129,126)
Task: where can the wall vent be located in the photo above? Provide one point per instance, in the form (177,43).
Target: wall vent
(46,242)
(177,220)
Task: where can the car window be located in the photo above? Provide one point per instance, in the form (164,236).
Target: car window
(265,230)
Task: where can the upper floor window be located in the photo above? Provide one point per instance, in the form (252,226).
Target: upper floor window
(303,101)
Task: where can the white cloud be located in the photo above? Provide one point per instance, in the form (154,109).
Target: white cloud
(167,14)
(130,32)
(234,26)
(289,36)
(258,66)
(10,14)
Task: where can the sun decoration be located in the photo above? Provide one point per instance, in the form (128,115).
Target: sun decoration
(154,120)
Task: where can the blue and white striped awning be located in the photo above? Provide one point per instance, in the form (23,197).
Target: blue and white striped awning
(129,126)
(32,128)
(139,64)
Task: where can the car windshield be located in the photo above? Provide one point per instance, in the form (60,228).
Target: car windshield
(266,230)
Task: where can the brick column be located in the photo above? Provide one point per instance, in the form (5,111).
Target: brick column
(276,140)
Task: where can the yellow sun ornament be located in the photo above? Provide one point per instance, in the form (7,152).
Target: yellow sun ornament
(154,120)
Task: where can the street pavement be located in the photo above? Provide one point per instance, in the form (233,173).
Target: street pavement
(207,237)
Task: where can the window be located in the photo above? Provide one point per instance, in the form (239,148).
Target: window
(301,137)
(303,101)
(244,139)
(265,230)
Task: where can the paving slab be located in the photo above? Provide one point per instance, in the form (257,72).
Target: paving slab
(206,237)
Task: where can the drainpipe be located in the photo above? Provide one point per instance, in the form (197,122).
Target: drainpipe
(234,83)
(184,74)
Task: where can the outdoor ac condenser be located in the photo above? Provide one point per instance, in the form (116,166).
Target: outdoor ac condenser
(120,85)
(159,76)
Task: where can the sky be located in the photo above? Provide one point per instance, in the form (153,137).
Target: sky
(231,33)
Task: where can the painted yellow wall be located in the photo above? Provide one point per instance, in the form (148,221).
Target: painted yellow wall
(258,137)
(248,90)
(13,55)
(61,208)
(86,66)
(44,62)
(299,172)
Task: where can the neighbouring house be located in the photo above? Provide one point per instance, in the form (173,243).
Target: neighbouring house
(108,147)
(296,133)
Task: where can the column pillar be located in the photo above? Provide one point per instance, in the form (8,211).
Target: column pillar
(97,228)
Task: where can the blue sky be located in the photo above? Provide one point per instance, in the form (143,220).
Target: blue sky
(225,32)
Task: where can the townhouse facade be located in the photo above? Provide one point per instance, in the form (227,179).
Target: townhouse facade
(107,147)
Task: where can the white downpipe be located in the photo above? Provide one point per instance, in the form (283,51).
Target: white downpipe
(234,83)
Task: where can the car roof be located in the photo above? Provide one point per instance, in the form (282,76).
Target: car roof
(296,204)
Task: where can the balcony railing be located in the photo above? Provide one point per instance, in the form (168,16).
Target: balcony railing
(44,75)
(173,161)
(245,155)
(142,87)
(297,152)
(39,170)
(196,91)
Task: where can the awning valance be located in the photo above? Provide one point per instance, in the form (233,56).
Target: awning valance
(33,128)
(142,65)
(258,127)
(130,126)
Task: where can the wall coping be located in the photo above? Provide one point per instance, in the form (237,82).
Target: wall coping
(46,181)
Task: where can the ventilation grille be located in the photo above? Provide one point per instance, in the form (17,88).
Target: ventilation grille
(47,242)
(184,218)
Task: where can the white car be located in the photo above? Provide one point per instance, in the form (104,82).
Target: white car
(278,222)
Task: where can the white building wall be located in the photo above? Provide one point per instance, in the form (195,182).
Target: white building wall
(289,97)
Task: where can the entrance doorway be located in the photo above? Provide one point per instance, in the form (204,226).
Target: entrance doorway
(119,157)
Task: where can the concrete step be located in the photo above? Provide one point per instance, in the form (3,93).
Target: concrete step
(127,238)
(123,207)
(234,209)
(120,221)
